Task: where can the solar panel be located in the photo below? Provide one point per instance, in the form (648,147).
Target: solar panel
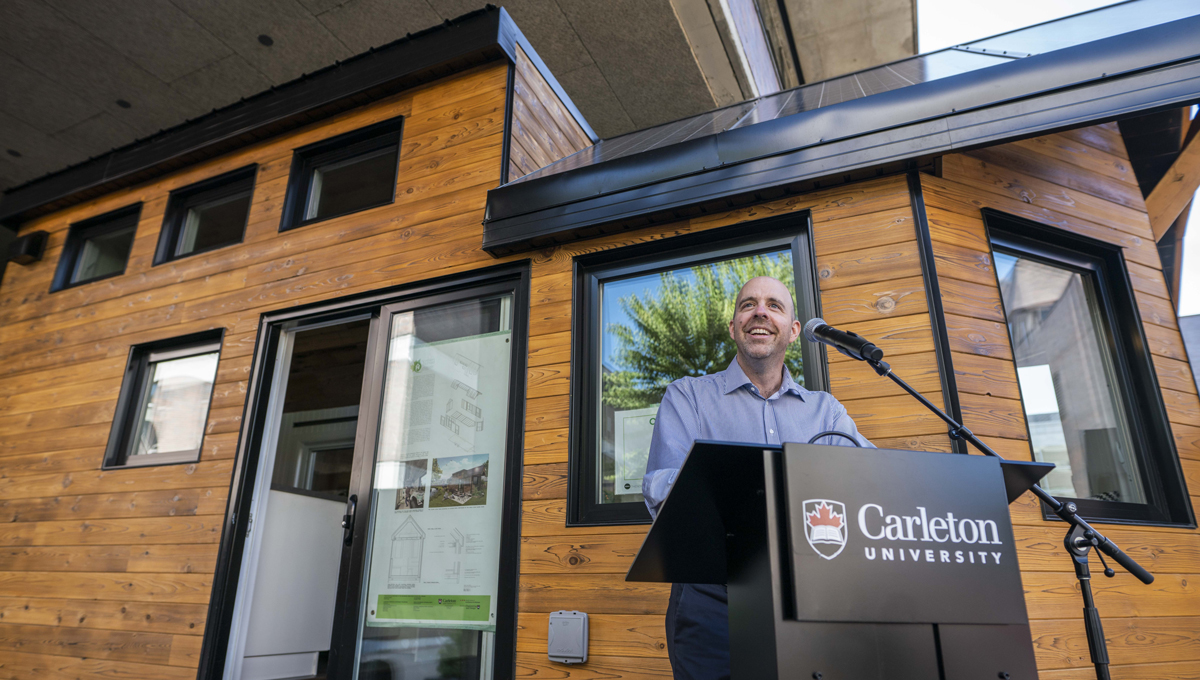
(923,68)
(1095,25)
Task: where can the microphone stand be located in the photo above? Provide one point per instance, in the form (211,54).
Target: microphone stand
(1080,538)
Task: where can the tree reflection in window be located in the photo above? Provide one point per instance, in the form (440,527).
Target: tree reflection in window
(656,329)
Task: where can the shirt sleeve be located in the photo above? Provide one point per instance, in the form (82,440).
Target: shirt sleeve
(675,428)
(842,422)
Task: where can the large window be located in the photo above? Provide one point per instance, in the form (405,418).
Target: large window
(97,248)
(348,173)
(647,316)
(163,406)
(206,216)
(1088,389)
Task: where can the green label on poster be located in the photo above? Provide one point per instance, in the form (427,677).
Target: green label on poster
(434,607)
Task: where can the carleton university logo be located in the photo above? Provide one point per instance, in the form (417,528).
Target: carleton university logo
(825,526)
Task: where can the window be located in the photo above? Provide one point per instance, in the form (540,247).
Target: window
(342,175)
(206,216)
(646,316)
(1088,387)
(97,248)
(163,406)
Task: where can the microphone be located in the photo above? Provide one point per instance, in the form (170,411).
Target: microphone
(852,345)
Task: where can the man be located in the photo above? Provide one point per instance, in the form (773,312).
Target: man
(754,400)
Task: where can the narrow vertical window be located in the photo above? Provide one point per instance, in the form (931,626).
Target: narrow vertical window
(206,216)
(1071,392)
(97,248)
(1089,391)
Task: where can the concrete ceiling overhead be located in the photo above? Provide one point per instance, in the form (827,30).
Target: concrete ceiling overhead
(836,38)
(79,77)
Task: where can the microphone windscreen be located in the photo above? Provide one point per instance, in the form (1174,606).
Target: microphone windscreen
(811,327)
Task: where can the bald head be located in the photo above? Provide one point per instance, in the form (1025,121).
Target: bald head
(767,288)
(763,324)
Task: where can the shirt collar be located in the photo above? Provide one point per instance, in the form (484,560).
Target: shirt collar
(735,377)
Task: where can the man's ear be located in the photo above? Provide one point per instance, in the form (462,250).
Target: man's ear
(731,336)
(796,329)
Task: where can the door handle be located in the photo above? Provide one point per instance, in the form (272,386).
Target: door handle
(348,520)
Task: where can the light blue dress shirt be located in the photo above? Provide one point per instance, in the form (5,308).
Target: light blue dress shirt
(726,406)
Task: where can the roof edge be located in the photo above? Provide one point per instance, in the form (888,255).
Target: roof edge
(478,37)
(1089,103)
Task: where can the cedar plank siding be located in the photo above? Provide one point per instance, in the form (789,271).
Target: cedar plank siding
(865,242)
(543,130)
(1079,181)
(107,574)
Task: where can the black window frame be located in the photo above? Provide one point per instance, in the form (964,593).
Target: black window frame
(85,230)
(335,149)
(792,231)
(182,200)
(512,276)
(1150,431)
(130,400)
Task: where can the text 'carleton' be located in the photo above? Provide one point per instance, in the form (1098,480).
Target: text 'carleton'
(876,525)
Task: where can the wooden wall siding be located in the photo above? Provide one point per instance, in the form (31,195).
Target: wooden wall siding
(870,275)
(108,574)
(543,130)
(1079,181)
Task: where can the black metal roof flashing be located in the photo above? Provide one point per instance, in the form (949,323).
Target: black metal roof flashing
(1154,67)
(478,37)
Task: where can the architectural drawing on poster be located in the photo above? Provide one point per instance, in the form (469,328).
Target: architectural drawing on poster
(468,365)
(457,542)
(463,418)
(471,393)
(454,573)
(408,546)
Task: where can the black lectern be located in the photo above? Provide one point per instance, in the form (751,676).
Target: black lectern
(846,563)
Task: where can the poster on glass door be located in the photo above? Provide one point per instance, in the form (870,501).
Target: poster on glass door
(435,550)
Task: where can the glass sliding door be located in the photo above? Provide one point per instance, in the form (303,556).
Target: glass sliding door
(435,579)
(379,505)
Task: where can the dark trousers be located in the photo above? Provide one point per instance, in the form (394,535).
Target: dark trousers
(698,632)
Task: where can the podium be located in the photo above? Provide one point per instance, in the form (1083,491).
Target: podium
(852,563)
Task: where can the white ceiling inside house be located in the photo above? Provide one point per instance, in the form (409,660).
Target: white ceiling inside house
(81,77)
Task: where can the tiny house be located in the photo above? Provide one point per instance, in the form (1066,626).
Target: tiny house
(355,378)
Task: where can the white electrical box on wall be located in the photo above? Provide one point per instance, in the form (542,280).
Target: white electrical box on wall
(567,641)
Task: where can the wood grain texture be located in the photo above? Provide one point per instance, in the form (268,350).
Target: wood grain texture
(1079,181)
(608,635)
(1175,190)
(543,129)
(116,566)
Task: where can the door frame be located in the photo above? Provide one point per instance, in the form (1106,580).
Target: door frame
(256,424)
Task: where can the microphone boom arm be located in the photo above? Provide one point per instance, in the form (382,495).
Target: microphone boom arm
(1080,538)
(1065,511)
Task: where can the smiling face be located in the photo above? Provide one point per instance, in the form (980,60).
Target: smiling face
(764,321)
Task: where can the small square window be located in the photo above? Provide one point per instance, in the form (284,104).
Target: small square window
(163,406)
(206,216)
(346,174)
(97,248)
